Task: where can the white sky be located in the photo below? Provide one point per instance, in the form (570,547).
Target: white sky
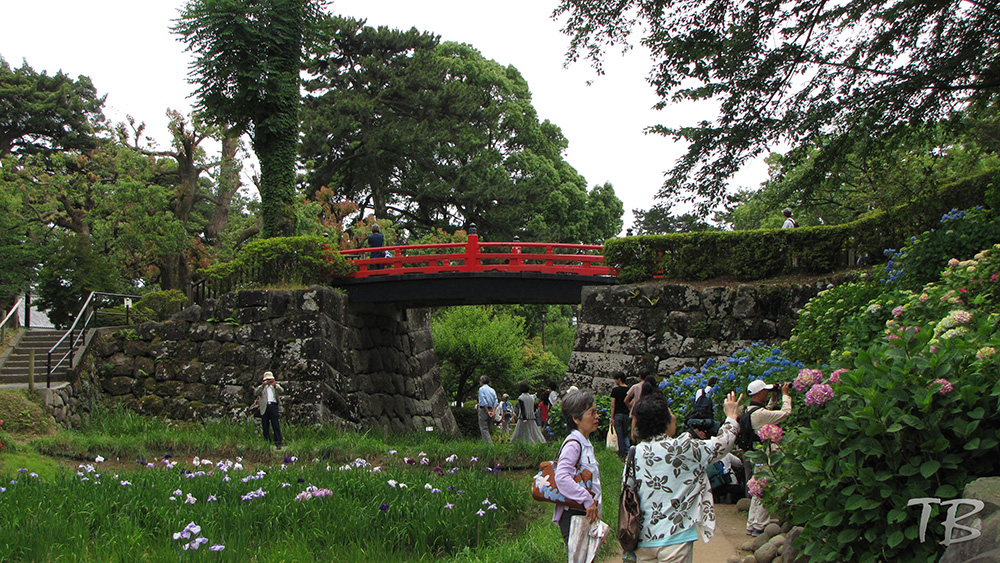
(127,50)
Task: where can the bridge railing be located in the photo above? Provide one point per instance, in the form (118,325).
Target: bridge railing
(476,256)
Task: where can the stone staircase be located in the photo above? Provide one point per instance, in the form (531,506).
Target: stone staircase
(14,369)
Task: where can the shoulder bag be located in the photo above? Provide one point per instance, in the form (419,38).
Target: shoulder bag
(544,487)
(629,516)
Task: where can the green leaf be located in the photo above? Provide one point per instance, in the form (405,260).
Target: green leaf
(895,538)
(848,535)
(833,519)
(928,468)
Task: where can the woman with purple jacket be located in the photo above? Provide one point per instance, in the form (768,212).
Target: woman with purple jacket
(577,452)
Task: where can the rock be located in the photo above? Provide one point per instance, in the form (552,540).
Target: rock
(778,559)
(772,530)
(759,541)
(789,552)
(743,505)
(779,540)
(747,545)
(766,553)
(786,527)
(985,548)
(733,559)
(749,559)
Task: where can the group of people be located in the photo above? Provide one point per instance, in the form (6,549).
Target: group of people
(671,470)
(527,416)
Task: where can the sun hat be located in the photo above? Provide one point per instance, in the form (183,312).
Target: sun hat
(758,385)
(268,375)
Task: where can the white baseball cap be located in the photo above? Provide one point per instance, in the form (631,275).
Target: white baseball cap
(758,385)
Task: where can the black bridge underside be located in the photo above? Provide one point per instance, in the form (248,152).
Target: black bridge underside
(439,290)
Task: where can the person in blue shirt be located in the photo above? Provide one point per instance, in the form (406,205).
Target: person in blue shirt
(376,240)
(487,402)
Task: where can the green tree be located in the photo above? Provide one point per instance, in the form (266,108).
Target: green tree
(474,341)
(249,53)
(658,220)
(39,112)
(875,174)
(434,135)
(796,72)
(71,271)
(18,257)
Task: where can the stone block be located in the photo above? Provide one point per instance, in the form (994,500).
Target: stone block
(766,553)
(119,385)
(985,548)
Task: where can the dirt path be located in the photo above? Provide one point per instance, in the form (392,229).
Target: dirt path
(730,533)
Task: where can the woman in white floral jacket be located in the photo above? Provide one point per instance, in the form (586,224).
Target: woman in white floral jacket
(674,492)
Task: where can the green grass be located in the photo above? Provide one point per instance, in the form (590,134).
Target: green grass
(69,513)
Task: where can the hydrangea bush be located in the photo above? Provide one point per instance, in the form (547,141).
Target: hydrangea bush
(913,414)
(758,361)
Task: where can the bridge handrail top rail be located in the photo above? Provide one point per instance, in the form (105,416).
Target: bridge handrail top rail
(508,244)
(12,311)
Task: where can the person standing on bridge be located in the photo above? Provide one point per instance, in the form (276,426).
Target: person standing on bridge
(487,402)
(376,240)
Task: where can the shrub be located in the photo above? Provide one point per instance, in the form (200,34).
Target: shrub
(843,317)
(959,235)
(280,261)
(758,254)
(915,415)
(735,372)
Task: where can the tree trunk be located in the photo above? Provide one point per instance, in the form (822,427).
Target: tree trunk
(228,184)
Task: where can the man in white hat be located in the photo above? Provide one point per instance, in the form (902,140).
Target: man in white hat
(757,518)
(268,395)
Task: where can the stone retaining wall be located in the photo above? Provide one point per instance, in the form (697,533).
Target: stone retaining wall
(661,328)
(361,368)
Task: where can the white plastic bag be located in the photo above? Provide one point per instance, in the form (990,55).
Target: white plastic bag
(585,539)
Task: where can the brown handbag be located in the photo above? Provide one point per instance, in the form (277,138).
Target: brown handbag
(629,516)
(544,488)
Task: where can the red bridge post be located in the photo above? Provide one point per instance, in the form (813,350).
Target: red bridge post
(472,250)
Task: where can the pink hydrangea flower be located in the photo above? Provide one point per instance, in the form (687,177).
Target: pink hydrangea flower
(953,262)
(986,352)
(755,487)
(819,394)
(960,316)
(897,311)
(946,386)
(770,433)
(806,378)
(835,376)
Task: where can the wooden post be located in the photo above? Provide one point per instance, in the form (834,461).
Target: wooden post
(31,369)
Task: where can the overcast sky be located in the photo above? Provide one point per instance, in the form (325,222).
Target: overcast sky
(127,50)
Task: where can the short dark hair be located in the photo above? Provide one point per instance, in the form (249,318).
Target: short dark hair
(376,228)
(652,416)
(575,404)
(485,379)
(712,381)
(523,387)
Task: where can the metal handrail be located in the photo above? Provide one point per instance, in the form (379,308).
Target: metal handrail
(69,333)
(11,313)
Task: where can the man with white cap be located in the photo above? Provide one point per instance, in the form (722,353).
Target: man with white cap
(760,415)
(268,395)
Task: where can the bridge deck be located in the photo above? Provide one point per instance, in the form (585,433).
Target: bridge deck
(476,288)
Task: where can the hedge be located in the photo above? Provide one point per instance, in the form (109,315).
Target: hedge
(765,253)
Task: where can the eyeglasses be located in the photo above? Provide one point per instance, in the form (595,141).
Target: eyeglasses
(591,410)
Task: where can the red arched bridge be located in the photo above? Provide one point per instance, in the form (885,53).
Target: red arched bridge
(474,272)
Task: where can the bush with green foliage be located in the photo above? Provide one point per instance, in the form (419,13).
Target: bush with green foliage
(758,361)
(758,254)
(914,414)
(959,235)
(281,261)
(843,317)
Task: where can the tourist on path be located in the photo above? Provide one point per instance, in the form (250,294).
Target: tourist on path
(702,415)
(576,452)
(620,414)
(268,395)
(675,497)
(505,412)
(789,222)
(487,402)
(763,412)
(525,427)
